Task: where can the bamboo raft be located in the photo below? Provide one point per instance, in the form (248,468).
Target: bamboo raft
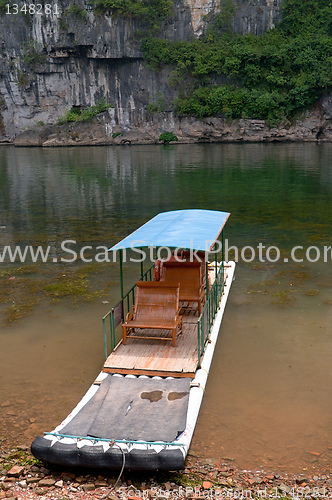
(141,410)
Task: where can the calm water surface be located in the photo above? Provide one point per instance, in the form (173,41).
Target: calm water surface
(268,398)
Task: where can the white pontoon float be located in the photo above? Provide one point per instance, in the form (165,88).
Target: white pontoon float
(142,409)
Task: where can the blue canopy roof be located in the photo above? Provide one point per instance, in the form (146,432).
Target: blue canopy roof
(196,229)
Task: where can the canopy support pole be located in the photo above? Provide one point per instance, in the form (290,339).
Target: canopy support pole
(121,274)
(121,284)
(206,277)
(215,261)
(142,269)
(223,253)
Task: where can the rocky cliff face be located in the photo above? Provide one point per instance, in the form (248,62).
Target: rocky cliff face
(52,61)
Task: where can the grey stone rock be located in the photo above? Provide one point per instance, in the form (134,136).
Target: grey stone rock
(88,487)
(6,486)
(284,488)
(32,137)
(39,491)
(32,480)
(47,482)
(80,479)
(256,479)
(300,480)
(45,471)
(34,468)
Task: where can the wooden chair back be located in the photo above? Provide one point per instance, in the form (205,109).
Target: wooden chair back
(188,274)
(156,301)
(187,256)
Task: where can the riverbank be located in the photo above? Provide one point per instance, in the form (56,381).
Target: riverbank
(22,477)
(109,128)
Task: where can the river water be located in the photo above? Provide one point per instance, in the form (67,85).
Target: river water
(268,399)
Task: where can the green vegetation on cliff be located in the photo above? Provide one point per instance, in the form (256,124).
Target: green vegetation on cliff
(3,4)
(82,115)
(267,77)
(167,137)
(149,11)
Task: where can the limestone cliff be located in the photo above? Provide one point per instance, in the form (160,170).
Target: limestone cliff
(52,61)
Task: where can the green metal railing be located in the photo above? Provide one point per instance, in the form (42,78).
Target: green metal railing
(206,319)
(117,314)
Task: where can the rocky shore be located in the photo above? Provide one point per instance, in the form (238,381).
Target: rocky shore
(22,477)
(108,129)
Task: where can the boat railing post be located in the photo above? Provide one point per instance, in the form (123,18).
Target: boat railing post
(222,259)
(205,321)
(201,334)
(199,340)
(214,300)
(210,313)
(112,328)
(206,278)
(215,291)
(121,283)
(215,262)
(128,304)
(105,338)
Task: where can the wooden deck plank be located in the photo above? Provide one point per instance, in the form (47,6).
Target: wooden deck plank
(155,357)
(150,373)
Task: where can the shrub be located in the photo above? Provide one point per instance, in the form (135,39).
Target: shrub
(22,79)
(77,11)
(33,54)
(77,115)
(159,106)
(167,137)
(151,13)
(63,22)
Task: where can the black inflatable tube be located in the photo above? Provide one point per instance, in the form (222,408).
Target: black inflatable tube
(94,457)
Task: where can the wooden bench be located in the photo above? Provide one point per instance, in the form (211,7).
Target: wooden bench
(156,308)
(189,275)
